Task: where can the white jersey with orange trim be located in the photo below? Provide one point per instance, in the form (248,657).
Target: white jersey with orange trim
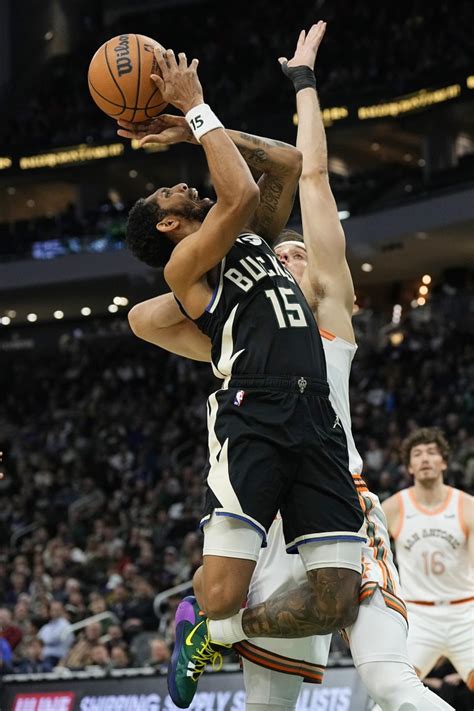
(378,566)
(431,548)
(277,571)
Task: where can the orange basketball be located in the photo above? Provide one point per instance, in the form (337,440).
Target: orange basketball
(119,78)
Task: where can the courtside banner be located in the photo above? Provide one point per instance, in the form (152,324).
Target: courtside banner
(342,690)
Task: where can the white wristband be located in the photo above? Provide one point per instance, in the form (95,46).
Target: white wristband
(202,119)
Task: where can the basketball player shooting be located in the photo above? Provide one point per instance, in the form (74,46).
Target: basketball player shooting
(381,657)
(432,526)
(271,425)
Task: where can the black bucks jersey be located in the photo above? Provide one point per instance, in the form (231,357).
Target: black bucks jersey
(274,441)
(258,319)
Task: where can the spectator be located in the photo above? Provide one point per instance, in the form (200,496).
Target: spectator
(33,661)
(100,657)
(6,657)
(120,657)
(10,632)
(159,654)
(56,634)
(80,654)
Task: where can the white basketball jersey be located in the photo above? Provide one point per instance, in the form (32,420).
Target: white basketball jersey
(431,548)
(339,356)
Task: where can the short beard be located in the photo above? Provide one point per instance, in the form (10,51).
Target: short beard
(195,212)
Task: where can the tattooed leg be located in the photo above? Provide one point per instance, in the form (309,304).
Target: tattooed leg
(326,603)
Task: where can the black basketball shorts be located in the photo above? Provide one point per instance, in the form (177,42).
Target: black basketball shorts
(275,444)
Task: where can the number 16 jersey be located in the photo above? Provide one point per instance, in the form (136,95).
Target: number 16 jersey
(258,319)
(431,548)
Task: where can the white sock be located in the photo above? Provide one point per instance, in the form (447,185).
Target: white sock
(227,631)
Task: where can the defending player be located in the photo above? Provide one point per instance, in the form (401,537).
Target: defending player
(432,526)
(271,426)
(381,657)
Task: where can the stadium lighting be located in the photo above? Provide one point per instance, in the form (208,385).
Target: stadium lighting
(11,313)
(421,301)
(113,308)
(344,214)
(86,311)
(5,320)
(366,267)
(423,290)
(32,317)
(58,314)
(120,300)
(426,279)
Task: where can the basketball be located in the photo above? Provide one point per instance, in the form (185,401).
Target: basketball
(119,78)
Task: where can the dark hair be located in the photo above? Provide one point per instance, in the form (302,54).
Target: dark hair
(424,435)
(143,239)
(288,236)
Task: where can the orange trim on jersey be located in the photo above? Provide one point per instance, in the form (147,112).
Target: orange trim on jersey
(401,521)
(470,681)
(327,334)
(312,673)
(462,520)
(431,603)
(387,576)
(430,512)
(368,590)
(395,603)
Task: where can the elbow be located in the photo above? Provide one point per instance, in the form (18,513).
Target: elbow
(295,163)
(314,173)
(135,320)
(252,197)
(245,198)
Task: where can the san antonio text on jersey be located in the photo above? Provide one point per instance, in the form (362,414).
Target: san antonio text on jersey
(258,320)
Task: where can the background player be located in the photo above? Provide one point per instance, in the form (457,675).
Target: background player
(432,525)
(395,682)
(266,347)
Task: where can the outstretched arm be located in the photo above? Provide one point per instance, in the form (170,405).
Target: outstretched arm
(274,164)
(327,278)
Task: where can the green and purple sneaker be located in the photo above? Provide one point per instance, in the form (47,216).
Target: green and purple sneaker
(191,653)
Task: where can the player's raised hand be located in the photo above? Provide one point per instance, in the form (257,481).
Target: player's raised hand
(306,48)
(179,83)
(165,129)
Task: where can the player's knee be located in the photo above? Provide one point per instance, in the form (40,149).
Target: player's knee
(221,601)
(336,592)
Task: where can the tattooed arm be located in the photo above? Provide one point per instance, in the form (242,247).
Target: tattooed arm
(275,165)
(326,603)
(277,168)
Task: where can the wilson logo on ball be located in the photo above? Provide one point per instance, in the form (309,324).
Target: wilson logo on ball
(122,56)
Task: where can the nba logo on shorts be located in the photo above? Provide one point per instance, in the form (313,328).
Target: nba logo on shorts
(239,398)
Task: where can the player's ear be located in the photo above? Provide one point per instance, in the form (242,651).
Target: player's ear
(167,224)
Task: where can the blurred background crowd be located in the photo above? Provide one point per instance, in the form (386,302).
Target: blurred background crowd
(106,440)
(103,437)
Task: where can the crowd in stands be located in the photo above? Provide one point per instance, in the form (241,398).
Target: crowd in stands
(104,443)
(381,48)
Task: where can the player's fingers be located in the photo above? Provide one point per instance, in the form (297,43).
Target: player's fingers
(171,59)
(301,39)
(150,139)
(162,63)
(183,60)
(126,124)
(126,134)
(194,64)
(283,60)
